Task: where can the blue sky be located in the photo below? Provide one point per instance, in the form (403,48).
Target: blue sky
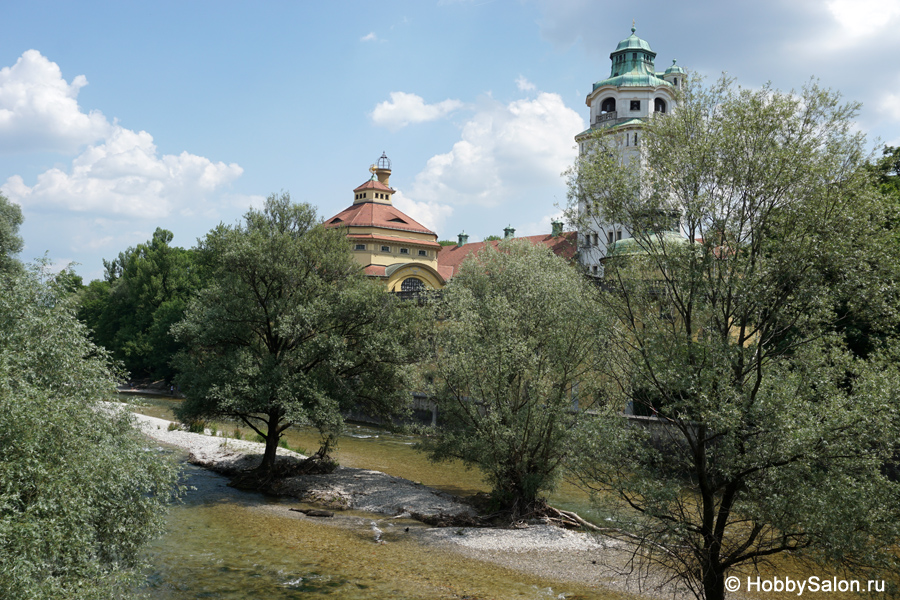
(120,117)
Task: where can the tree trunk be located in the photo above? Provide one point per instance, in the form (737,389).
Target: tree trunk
(272,437)
(713,583)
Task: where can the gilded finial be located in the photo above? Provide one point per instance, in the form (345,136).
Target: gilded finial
(632,26)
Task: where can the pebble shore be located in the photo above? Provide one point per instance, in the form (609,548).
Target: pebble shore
(539,549)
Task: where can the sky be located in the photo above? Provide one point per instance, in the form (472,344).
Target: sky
(120,117)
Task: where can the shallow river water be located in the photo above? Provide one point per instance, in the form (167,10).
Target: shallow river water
(225,543)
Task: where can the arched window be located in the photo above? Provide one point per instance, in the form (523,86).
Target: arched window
(659,105)
(412,284)
(608,105)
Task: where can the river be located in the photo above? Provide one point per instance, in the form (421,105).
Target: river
(225,543)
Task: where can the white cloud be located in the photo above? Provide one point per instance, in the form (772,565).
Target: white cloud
(524,85)
(403,109)
(39,110)
(543,226)
(123,174)
(889,105)
(505,151)
(862,18)
(432,215)
(369,37)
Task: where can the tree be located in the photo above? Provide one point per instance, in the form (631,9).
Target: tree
(289,330)
(10,241)
(513,347)
(145,292)
(770,437)
(79,493)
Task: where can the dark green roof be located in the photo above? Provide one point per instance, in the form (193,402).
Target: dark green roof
(632,65)
(635,78)
(674,68)
(632,42)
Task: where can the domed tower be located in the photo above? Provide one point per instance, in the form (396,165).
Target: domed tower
(619,106)
(388,244)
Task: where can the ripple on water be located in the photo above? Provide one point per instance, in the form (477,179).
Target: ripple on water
(228,544)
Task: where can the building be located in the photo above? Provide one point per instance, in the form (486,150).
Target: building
(619,106)
(387,243)
(562,244)
(404,254)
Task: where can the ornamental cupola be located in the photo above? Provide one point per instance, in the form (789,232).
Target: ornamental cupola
(633,64)
(675,74)
(377,189)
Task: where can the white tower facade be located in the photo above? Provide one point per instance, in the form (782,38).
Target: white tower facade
(619,106)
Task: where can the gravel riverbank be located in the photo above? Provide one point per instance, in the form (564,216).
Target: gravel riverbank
(543,550)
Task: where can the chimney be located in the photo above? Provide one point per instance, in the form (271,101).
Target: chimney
(508,232)
(557,228)
(463,239)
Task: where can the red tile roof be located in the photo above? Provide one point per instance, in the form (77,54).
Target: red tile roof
(374,184)
(451,257)
(375,270)
(373,214)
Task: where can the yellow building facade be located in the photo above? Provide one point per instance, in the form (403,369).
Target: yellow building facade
(387,243)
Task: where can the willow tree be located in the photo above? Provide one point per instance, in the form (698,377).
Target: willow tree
(769,436)
(289,331)
(80,495)
(513,353)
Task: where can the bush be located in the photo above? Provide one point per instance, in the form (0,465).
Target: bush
(79,495)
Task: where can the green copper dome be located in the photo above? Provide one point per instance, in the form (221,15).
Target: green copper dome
(632,42)
(632,65)
(633,79)
(674,69)
(631,247)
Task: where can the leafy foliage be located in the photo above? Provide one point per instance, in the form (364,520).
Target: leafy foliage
(289,330)
(145,292)
(514,334)
(771,436)
(10,241)
(79,495)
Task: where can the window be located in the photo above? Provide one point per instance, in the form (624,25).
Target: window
(618,235)
(359,247)
(609,238)
(659,105)
(423,253)
(412,284)
(635,139)
(608,105)
(385,248)
(404,250)
(635,105)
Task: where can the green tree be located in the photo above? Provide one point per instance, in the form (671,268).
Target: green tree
(514,338)
(145,292)
(10,241)
(771,436)
(887,172)
(79,494)
(289,330)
